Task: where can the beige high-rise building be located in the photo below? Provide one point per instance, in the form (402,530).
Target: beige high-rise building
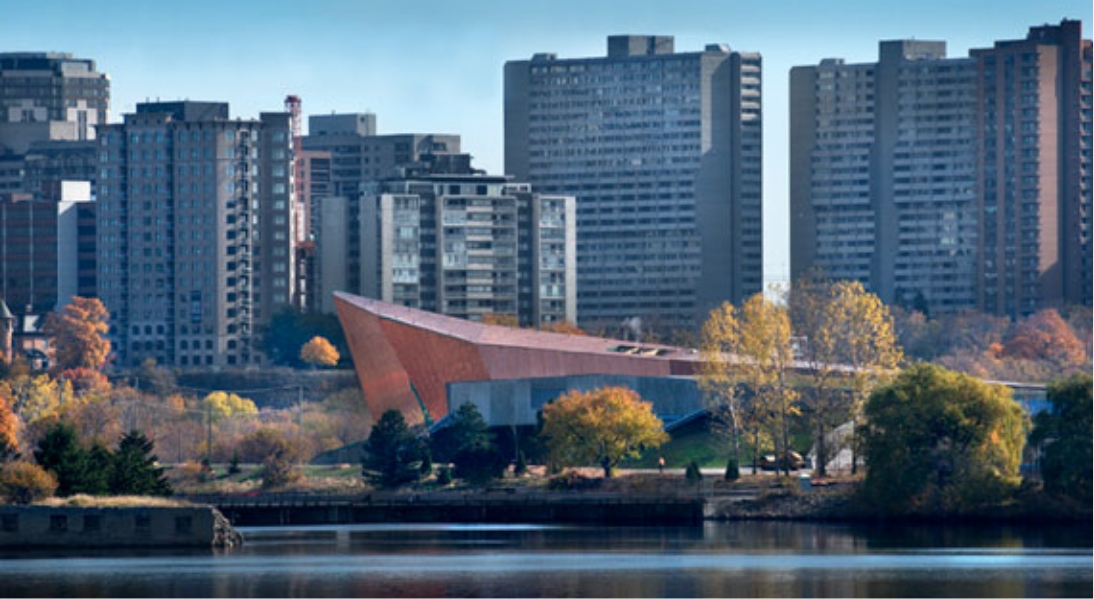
(948,183)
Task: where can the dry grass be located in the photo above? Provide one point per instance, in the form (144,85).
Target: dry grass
(118,501)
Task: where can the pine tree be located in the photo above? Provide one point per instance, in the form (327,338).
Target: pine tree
(135,471)
(59,452)
(393,454)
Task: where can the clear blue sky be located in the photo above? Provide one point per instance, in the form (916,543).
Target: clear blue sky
(436,65)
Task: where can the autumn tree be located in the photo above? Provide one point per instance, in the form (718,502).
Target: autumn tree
(600,427)
(1045,336)
(288,330)
(838,324)
(812,308)
(719,377)
(9,430)
(319,352)
(77,334)
(1063,434)
(35,398)
(221,405)
(866,344)
(764,353)
(937,441)
(22,483)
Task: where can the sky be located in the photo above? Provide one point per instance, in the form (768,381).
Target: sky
(435,66)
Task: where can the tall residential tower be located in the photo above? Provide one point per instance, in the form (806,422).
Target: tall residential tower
(663,152)
(948,183)
(195,235)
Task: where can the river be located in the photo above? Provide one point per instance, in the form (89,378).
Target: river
(712,560)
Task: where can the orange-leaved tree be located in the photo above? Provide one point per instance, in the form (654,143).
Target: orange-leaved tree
(9,425)
(600,427)
(1045,336)
(77,334)
(319,352)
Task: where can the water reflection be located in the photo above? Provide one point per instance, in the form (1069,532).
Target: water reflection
(715,560)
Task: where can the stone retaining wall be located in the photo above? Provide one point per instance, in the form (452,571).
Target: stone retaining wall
(42,526)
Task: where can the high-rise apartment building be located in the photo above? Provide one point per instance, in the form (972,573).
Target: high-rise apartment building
(883,163)
(1034,109)
(455,241)
(358,158)
(926,178)
(195,234)
(49,96)
(663,152)
(47,250)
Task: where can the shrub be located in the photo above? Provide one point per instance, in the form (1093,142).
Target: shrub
(733,472)
(572,481)
(693,474)
(522,465)
(426,467)
(480,463)
(444,476)
(23,482)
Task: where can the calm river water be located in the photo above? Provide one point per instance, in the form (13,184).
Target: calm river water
(713,560)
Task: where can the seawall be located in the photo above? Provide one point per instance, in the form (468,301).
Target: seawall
(46,526)
(571,508)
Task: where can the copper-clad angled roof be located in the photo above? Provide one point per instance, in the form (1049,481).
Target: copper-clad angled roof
(404,357)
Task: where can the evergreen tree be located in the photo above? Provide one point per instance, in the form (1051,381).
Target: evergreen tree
(393,454)
(468,429)
(480,463)
(98,468)
(59,452)
(135,471)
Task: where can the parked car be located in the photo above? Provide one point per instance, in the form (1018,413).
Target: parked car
(792,459)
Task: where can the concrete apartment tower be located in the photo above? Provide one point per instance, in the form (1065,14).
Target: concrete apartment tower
(195,232)
(941,183)
(350,156)
(49,96)
(1034,139)
(662,151)
(465,244)
(883,164)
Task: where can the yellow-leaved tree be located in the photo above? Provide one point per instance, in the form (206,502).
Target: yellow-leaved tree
(600,427)
(77,334)
(9,426)
(319,352)
(764,353)
(840,324)
(221,405)
(866,343)
(720,380)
